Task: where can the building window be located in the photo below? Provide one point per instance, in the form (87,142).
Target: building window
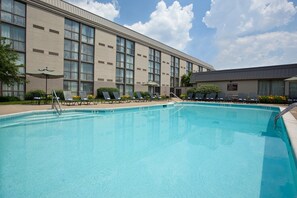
(78,57)
(71,49)
(12,25)
(17,90)
(71,86)
(13,12)
(174,71)
(154,68)
(232,87)
(71,30)
(70,70)
(271,87)
(293,90)
(87,34)
(15,36)
(87,53)
(86,72)
(87,87)
(189,68)
(125,65)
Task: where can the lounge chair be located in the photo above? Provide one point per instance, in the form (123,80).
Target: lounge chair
(152,97)
(68,100)
(253,97)
(221,97)
(84,98)
(139,96)
(107,97)
(117,96)
(132,97)
(199,96)
(211,96)
(292,100)
(158,96)
(242,97)
(190,96)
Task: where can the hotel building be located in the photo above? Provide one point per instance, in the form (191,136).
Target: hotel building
(90,51)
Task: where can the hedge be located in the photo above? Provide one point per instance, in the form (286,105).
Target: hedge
(8,98)
(35,93)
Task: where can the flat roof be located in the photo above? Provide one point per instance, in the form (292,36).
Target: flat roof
(252,73)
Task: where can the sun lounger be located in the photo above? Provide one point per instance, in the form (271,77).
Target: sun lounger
(139,96)
(131,95)
(84,98)
(117,96)
(190,96)
(242,97)
(211,96)
(152,97)
(68,100)
(253,97)
(199,96)
(107,97)
(221,97)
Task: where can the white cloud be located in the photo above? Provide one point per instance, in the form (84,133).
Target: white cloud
(248,33)
(264,49)
(170,25)
(109,11)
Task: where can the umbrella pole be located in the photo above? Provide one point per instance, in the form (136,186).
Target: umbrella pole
(46,85)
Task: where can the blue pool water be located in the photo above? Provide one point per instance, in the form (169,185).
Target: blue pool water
(182,151)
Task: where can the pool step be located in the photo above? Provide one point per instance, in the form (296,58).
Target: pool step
(51,117)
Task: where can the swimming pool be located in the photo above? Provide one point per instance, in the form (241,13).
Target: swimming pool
(181,150)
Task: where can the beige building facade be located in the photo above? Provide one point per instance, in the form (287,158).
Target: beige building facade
(90,51)
(261,81)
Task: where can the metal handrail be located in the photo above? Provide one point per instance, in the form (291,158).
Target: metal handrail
(175,95)
(56,99)
(286,110)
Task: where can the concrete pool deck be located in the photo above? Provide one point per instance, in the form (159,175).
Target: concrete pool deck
(289,118)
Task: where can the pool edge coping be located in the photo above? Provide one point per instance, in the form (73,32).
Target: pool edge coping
(291,126)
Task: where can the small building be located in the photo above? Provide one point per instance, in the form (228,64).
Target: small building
(269,80)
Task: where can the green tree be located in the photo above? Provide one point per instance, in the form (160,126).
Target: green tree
(9,73)
(208,88)
(185,80)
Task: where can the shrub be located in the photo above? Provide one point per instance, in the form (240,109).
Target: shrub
(208,88)
(60,94)
(192,90)
(145,94)
(8,98)
(273,99)
(106,89)
(35,93)
(183,96)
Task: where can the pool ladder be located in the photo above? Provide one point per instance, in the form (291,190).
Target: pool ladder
(55,101)
(176,96)
(286,110)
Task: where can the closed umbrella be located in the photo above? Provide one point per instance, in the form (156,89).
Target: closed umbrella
(47,74)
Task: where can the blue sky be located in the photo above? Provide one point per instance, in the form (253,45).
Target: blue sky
(225,34)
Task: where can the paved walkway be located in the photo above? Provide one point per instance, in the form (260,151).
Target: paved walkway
(9,109)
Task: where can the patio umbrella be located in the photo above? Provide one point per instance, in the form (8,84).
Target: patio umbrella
(47,74)
(152,84)
(292,79)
